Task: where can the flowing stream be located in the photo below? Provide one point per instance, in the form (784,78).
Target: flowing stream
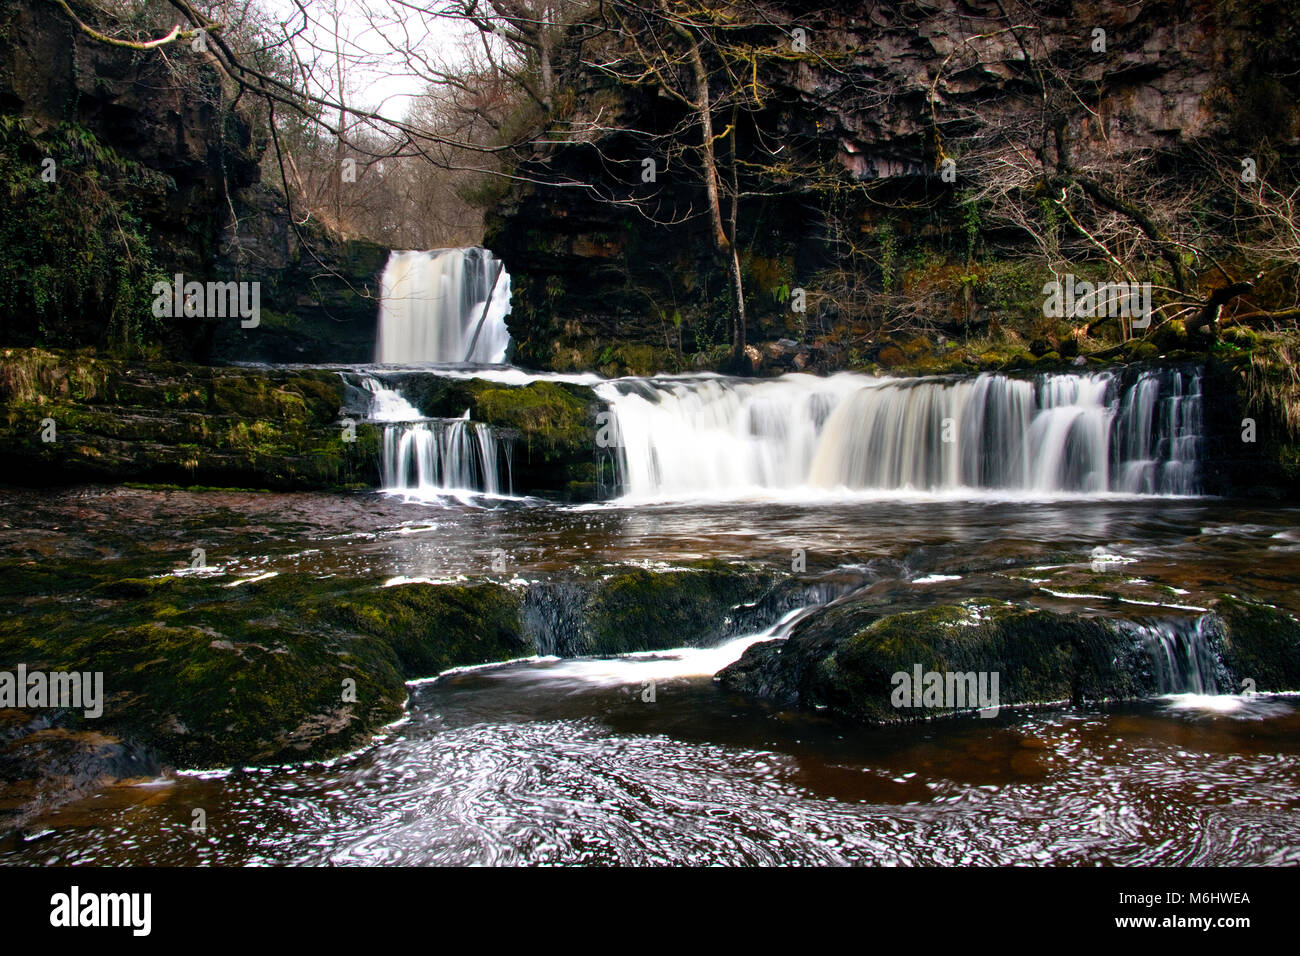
(918,492)
(564,761)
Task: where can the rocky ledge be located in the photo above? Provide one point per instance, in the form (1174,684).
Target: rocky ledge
(76,417)
(844,659)
(198,672)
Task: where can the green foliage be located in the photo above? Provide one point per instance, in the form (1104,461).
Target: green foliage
(1013,287)
(76,251)
(970,221)
(888,239)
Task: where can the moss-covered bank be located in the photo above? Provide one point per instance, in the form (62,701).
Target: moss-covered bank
(73,416)
(200,670)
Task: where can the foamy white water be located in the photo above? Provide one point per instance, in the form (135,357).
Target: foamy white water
(645,666)
(388,405)
(708,437)
(432,304)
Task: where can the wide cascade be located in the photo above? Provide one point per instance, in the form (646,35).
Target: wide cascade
(445,305)
(1052,434)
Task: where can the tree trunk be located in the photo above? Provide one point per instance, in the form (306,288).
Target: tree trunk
(725,247)
(544,55)
(1208,316)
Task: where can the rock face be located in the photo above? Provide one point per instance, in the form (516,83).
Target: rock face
(844,658)
(70,417)
(320,295)
(152,140)
(600,285)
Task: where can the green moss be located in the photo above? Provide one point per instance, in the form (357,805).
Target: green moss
(1006,359)
(435,627)
(78,265)
(547,415)
(299,400)
(1262,644)
(644,360)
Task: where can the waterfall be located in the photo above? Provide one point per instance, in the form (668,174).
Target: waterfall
(1062,433)
(386,404)
(432,303)
(431,456)
(445,455)
(1185,656)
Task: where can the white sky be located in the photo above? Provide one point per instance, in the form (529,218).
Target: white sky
(370,28)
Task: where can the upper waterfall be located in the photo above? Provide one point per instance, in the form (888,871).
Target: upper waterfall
(445,305)
(713,437)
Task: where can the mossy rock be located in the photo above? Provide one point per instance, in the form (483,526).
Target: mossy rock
(1240,337)
(177,424)
(1005,360)
(547,415)
(1031,656)
(435,627)
(1261,644)
(1049,361)
(304,399)
(640,610)
(1170,336)
(843,658)
(1140,350)
(208,675)
(296,667)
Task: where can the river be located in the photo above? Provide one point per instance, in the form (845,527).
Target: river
(549,761)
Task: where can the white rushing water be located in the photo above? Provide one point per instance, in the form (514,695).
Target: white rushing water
(444,456)
(388,405)
(710,437)
(433,304)
(641,667)
(431,457)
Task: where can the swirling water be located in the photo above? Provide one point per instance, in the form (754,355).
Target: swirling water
(564,762)
(505,766)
